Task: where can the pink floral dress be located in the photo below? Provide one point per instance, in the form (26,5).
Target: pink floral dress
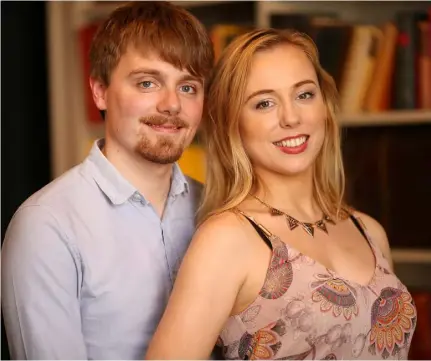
(306,311)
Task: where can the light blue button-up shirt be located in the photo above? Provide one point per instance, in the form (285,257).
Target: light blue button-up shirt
(88,265)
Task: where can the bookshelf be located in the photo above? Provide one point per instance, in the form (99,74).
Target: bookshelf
(368,11)
(390,118)
(72,134)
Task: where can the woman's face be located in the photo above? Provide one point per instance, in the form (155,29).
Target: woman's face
(282,123)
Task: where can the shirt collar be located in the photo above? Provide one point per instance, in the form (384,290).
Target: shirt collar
(116,187)
(179,182)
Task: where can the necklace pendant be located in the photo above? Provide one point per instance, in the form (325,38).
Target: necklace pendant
(275,212)
(308,227)
(321,225)
(329,220)
(292,222)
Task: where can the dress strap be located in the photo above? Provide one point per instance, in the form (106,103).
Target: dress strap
(260,229)
(360,226)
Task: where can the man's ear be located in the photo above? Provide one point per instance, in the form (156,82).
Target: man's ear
(98,90)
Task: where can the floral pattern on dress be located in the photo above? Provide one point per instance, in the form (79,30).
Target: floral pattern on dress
(336,295)
(393,318)
(372,321)
(358,345)
(300,356)
(280,274)
(228,352)
(331,356)
(338,335)
(264,344)
(250,314)
(298,315)
(299,260)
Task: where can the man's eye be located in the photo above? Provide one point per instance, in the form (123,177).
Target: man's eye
(188,89)
(146,84)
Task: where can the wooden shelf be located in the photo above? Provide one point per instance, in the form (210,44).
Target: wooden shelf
(193,3)
(90,11)
(401,255)
(391,118)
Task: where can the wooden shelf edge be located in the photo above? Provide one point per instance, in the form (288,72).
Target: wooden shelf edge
(399,117)
(193,3)
(94,11)
(402,255)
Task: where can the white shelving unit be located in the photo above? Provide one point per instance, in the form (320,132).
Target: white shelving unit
(71,133)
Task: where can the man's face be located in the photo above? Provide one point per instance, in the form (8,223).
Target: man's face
(152,108)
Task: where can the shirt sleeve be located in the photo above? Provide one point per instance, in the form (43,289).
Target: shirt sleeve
(40,288)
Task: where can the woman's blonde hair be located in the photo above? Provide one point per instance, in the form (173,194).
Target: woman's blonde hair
(229,173)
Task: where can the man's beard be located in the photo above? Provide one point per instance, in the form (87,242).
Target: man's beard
(167,149)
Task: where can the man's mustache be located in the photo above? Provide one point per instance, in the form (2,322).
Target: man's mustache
(161,120)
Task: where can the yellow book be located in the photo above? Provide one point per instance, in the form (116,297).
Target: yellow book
(192,162)
(222,35)
(359,68)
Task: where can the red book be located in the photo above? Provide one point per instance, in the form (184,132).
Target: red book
(86,35)
(424,66)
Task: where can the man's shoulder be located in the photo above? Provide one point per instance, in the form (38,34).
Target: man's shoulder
(67,189)
(44,210)
(194,185)
(195,190)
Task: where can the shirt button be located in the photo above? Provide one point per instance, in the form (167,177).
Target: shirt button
(136,197)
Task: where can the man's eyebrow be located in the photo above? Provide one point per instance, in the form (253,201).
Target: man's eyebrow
(157,73)
(189,77)
(148,71)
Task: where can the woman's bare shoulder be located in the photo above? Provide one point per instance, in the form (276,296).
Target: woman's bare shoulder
(376,232)
(226,230)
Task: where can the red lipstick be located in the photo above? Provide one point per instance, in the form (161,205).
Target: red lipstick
(293,145)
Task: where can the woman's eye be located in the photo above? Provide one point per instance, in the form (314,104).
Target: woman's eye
(264,104)
(306,95)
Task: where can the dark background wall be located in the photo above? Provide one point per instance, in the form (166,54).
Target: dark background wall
(25,158)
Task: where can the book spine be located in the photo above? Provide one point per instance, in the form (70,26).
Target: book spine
(405,87)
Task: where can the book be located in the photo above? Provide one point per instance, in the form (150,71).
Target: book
(378,97)
(405,77)
(86,35)
(424,66)
(357,73)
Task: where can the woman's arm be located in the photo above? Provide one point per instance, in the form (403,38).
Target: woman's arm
(208,282)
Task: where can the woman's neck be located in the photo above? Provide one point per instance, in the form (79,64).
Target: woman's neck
(291,194)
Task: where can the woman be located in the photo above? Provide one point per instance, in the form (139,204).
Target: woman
(280,267)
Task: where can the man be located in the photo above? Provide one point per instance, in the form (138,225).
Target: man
(89,261)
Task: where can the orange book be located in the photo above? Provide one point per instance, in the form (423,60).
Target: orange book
(424,66)
(378,97)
